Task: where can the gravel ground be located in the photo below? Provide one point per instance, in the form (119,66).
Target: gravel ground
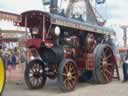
(115,88)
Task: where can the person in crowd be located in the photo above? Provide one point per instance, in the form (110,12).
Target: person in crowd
(5,60)
(125,68)
(13,61)
(122,58)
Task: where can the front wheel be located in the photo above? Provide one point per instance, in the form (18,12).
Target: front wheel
(2,76)
(67,76)
(35,77)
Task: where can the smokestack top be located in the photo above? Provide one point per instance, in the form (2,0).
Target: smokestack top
(53,6)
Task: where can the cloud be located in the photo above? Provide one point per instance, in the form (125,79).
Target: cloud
(118,10)
(18,6)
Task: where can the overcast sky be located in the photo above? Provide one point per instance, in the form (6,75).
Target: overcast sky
(115,11)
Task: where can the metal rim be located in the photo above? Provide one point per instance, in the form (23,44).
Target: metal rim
(36,73)
(107,64)
(2,76)
(70,76)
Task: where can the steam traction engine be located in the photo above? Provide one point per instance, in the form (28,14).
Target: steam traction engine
(66,49)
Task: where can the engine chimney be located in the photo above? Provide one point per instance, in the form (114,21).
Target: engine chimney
(53,6)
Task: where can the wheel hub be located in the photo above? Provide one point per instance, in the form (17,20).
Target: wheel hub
(69,75)
(104,62)
(37,74)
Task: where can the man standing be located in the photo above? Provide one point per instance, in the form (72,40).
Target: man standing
(14,61)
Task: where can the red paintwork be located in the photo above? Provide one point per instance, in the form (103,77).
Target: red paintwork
(37,42)
(81,63)
(84,61)
(90,61)
(33,42)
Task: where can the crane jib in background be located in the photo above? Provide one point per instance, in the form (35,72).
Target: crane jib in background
(47,2)
(100,1)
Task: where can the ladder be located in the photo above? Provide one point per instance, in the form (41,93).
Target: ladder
(116,74)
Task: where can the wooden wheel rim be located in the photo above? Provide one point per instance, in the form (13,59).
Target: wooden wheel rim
(36,74)
(2,76)
(70,75)
(107,64)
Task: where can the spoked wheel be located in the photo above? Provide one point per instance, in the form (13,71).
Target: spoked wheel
(67,75)
(104,63)
(35,75)
(2,76)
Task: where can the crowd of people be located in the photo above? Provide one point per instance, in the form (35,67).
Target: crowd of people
(12,57)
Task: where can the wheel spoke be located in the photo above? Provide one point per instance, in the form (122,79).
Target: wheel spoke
(64,74)
(34,67)
(109,75)
(73,78)
(73,72)
(110,64)
(71,67)
(105,75)
(66,69)
(69,83)
(30,75)
(65,82)
(41,78)
(32,80)
(108,72)
(35,81)
(107,57)
(33,70)
(39,81)
(104,54)
(41,69)
(37,69)
(106,50)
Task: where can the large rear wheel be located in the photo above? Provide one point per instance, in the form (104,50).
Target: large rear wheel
(35,75)
(2,76)
(104,64)
(67,75)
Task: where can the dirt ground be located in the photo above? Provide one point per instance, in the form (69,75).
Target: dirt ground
(115,88)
